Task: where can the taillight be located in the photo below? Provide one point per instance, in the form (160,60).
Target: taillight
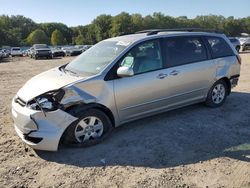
(238,58)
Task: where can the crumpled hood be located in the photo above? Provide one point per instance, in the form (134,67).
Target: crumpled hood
(50,80)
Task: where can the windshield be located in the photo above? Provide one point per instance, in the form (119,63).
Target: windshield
(95,59)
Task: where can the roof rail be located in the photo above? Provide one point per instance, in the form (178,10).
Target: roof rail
(156,31)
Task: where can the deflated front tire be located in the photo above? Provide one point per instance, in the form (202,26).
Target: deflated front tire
(92,127)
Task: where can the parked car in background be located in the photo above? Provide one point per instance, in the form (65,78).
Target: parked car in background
(245,43)
(235,42)
(57,52)
(86,47)
(40,51)
(80,47)
(29,52)
(6,51)
(16,51)
(1,54)
(122,79)
(25,53)
(71,51)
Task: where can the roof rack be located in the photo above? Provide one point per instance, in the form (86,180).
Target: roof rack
(156,31)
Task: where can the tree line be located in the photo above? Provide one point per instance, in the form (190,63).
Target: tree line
(21,31)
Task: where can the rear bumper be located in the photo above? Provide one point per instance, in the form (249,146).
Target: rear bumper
(37,130)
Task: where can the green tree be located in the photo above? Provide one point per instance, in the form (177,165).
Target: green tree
(57,38)
(38,36)
(49,28)
(15,29)
(137,22)
(121,24)
(102,26)
(148,22)
(85,34)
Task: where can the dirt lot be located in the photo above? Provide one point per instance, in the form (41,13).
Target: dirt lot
(194,146)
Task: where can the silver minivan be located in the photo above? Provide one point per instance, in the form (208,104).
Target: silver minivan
(123,79)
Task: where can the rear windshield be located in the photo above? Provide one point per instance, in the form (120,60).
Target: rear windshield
(219,47)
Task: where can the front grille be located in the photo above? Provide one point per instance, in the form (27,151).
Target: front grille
(20,102)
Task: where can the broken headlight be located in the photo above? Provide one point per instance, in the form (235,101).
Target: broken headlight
(48,101)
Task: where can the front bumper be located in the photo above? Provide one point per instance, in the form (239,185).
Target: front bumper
(39,131)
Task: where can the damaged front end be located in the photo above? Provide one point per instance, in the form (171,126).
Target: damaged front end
(42,121)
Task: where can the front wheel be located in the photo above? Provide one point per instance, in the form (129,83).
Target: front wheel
(91,128)
(217,94)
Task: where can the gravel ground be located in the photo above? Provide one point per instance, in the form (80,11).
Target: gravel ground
(194,146)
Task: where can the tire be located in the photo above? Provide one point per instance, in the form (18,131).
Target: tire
(94,132)
(217,94)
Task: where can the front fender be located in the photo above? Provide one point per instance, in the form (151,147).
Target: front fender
(74,95)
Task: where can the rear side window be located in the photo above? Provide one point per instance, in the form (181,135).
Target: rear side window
(184,50)
(219,47)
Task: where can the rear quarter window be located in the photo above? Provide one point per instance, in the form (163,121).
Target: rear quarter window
(219,47)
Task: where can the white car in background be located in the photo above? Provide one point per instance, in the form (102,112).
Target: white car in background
(235,42)
(245,43)
(16,51)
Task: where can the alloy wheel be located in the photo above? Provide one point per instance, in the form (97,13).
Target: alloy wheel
(88,128)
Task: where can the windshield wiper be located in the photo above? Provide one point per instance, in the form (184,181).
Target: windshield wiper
(70,71)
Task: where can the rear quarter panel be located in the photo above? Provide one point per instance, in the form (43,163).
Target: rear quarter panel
(227,67)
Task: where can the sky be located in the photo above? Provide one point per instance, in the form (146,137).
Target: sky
(82,12)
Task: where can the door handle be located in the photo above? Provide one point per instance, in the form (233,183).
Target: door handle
(174,73)
(162,76)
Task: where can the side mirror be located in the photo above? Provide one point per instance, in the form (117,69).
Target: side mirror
(125,71)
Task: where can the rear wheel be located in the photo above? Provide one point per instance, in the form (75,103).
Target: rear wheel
(92,127)
(217,94)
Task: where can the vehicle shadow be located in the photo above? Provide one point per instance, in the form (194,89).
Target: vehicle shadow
(184,136)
